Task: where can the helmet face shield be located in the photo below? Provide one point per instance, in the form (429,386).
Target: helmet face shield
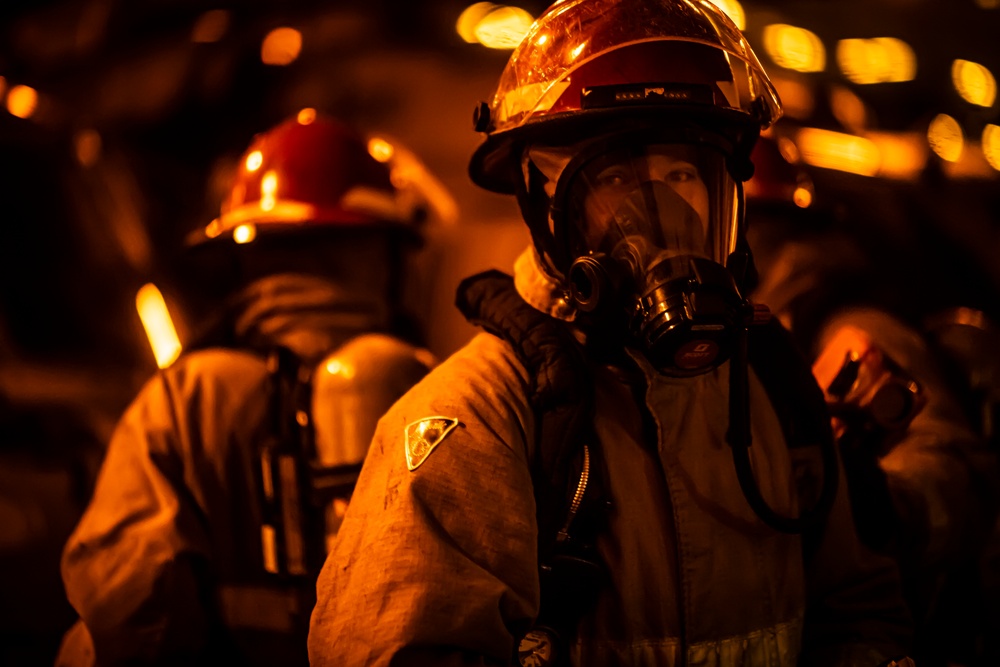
(652,201)
(638,201)
(642,227)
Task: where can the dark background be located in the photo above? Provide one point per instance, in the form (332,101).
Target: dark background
(79,239)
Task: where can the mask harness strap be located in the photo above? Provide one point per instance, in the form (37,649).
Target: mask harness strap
(738,434)
(739,439)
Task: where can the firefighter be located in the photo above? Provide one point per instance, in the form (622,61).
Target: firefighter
(227,477)
(604,476)
(922,478)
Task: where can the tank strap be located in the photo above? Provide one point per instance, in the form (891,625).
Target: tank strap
(292,529)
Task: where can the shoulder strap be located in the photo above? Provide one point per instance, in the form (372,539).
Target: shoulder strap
(567,471)
(561,387)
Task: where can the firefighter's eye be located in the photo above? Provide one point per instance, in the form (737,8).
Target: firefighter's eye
(613,177)
(684,173)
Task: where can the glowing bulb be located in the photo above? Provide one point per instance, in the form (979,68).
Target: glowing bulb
(802,197)
(22,101)
(268,191)
(904,154)
(944,135)
(991,145)
(159,327)
(336,367)
(470,18)
(974,83)
(380,149)
(254,161)
(503,28)
(835,150)
(306,116)
(281,46)
(734,10)
(878,60)
(245,233)
(794,48)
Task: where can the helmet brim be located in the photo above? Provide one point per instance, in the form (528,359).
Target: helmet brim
(495,164)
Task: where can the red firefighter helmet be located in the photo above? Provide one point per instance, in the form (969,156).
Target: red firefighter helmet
(615,62)
(310,172)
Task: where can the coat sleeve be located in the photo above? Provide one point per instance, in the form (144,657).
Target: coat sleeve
(856,614)
(132,566)
(943,481)
(437,565)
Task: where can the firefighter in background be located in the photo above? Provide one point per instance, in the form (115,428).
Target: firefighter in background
(574,485)
(923,480)
(228,475)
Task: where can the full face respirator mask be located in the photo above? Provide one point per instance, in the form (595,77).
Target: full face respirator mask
(643,231)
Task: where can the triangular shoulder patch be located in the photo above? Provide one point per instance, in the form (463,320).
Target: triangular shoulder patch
(423,435)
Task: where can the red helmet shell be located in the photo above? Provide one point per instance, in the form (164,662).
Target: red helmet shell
(662,57)
(308,172)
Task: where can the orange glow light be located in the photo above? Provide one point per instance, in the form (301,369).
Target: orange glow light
(991,145)
(306,116)
(944,135)
(268,190)
(802,197)
(88,147)
(794,48)
(734,10)
(971,165)
(158,325)
(380,149)
(22,101)
(281,46)
(470,18)
(797,98)
(974,83)
(503,28)
(878,60)
(848,108)
(835,150)
(210,26)
(904,154)
(245,233)
(254,160)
